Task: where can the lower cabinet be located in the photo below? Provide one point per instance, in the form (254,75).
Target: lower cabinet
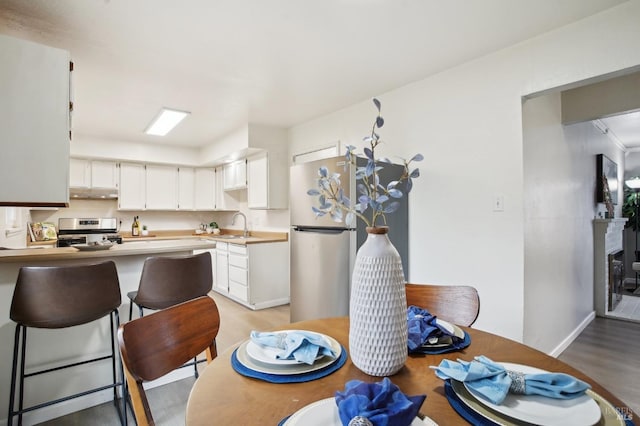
(221,280)
(255,275)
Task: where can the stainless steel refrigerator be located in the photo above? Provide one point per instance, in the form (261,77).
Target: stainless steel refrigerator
(323,251)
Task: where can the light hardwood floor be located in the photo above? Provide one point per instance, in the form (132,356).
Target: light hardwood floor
(607,350)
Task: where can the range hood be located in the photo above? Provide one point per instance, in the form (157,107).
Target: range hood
(93,194)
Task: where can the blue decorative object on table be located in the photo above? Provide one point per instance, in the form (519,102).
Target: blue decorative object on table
(493,382)
(300,345)
(381,403)
(423,326)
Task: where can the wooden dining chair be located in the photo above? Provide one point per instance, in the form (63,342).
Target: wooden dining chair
(154,345)
(458,304)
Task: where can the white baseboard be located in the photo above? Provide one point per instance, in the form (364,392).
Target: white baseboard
(573,335)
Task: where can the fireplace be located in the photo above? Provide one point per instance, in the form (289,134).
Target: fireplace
(616,278)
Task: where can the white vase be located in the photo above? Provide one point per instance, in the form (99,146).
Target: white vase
(378,307)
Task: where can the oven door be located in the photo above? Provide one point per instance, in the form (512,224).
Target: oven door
(68,241)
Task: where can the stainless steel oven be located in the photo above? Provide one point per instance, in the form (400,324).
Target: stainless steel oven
(85,230)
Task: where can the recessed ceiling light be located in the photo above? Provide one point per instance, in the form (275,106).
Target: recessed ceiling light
(166,120)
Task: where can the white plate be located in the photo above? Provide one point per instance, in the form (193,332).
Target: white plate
(325,413)
(92,247)
(267,355)
(542,410)
(451,329)
(299,368)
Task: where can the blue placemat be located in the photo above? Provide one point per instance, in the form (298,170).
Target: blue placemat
(471,416)
(291,378)
(443,350)
(461,408)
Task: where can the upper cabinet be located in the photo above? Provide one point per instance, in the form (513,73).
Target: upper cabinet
(35,107)
(205,189)
(224,199)
(92,174)
(104,174)
(161,187)
(186,188)
(235,175)
(79,173)
(267,181)
(131,194)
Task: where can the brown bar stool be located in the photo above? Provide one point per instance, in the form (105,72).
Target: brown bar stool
(54,297)
(169,280)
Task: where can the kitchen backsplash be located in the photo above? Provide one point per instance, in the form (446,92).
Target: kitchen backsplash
(267,220)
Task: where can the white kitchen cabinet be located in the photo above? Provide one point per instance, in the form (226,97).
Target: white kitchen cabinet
(186,188)
(212,252)
(104,174)
(131,192)
(267,181)
(224,199)
(34,124)
(255,275)
(92,178)
(79,173)
(222,269)
(235,175)
(205,189)
(161,187)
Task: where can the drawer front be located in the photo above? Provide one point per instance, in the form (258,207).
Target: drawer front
(238,275)
(238,290)
(221,246)
(236,248)
(239,261)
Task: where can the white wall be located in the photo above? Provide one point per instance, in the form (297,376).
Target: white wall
(467,123)
(559,206)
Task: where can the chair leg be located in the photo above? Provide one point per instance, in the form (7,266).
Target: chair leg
(122,412)
(141,311)
(130,309)
(14,367)
(195,367)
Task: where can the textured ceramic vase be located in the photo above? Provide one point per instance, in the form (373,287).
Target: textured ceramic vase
(378,307)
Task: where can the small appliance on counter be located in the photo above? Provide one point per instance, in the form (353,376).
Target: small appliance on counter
(72,231)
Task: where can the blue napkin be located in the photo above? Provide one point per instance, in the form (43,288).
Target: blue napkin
(421,326)
(494,382)
(299,345)
(381,403)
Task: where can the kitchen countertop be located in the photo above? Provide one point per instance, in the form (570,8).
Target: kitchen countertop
(160,242)
(125,249)
(227,236)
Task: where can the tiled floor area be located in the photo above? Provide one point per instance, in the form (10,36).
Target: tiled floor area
(628,308)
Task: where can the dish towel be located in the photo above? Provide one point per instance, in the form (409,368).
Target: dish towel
(493,382)
(376,404)
(422,326)
(300,345)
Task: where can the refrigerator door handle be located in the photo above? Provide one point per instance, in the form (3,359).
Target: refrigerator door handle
(321,230)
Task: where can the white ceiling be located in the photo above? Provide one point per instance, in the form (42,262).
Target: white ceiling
(624,128)
(276,62)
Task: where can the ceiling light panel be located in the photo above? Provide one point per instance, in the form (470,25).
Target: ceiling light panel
(165,121)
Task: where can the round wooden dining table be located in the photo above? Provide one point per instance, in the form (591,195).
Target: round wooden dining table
(221,396)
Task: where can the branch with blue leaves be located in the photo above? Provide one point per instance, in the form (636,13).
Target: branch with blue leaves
(373,197)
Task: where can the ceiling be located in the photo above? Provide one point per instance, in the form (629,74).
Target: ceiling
(276,62)
(624,128)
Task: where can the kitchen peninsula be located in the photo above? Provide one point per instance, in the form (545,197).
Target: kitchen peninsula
(50,347)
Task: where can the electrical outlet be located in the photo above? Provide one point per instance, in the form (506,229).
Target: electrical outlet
(498,203)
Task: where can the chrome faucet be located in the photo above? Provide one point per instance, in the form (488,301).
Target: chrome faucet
(245,233)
